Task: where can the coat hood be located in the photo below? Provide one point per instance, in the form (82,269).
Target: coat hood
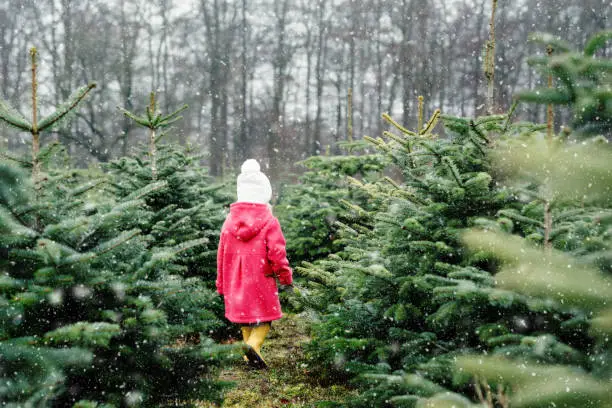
(246,220)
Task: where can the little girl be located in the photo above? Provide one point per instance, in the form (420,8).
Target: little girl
(251,256)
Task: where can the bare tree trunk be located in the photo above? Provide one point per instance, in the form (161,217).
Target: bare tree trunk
(421,78)
(349,115)
(406,61)
(362,96)
(240,144)
(307,124)
(280,63)
(340,100)
(35,134)
(476,65)
(219,41)
(68,49)
(126,76)
(394,85)
(320,75)
(462,88)
(379,71)
(490,62)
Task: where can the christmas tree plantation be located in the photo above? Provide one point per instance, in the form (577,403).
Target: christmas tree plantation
(410,299)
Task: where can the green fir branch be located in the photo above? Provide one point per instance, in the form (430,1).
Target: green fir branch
(545,96)
(402,129)
(597,42)
(513,215)
(49,151)
(403,142)
(84,334)
(483,120)
(431,149)
(172,117)
(66,107)
(450,164)
(431,123)
(511,111)
(475,130)
(354,207)
(9,116)
(82,189)
(124,206)
(559,45)
(378,142)
(9,156)
(138,119)
(109,245)
(476,142)
(166,123)
(146,190)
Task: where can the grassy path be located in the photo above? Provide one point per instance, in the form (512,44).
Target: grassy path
(286,382)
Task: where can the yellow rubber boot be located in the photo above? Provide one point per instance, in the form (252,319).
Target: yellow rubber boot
(246,333)
(255,341)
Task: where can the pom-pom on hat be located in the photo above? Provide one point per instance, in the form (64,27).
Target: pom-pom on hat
(252,185)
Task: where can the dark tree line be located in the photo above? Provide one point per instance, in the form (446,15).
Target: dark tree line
(270,78)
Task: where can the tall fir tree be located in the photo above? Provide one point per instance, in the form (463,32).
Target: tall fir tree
(573,272)
(561,204)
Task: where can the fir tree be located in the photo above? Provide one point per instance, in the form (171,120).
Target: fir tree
(558,264)
(185,207)
(409,298)
(312,210)
(583,82)
(82,316)
(575,275)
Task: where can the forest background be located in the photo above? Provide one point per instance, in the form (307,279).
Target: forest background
(271,78)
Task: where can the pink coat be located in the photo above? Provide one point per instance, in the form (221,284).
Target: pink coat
(251,255)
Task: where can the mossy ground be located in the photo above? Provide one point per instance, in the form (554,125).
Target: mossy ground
(286,383)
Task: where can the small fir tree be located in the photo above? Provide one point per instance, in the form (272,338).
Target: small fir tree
(154,121)
(186,206)
(312,210)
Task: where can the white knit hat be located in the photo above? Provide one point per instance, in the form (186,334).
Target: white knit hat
(252,185)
